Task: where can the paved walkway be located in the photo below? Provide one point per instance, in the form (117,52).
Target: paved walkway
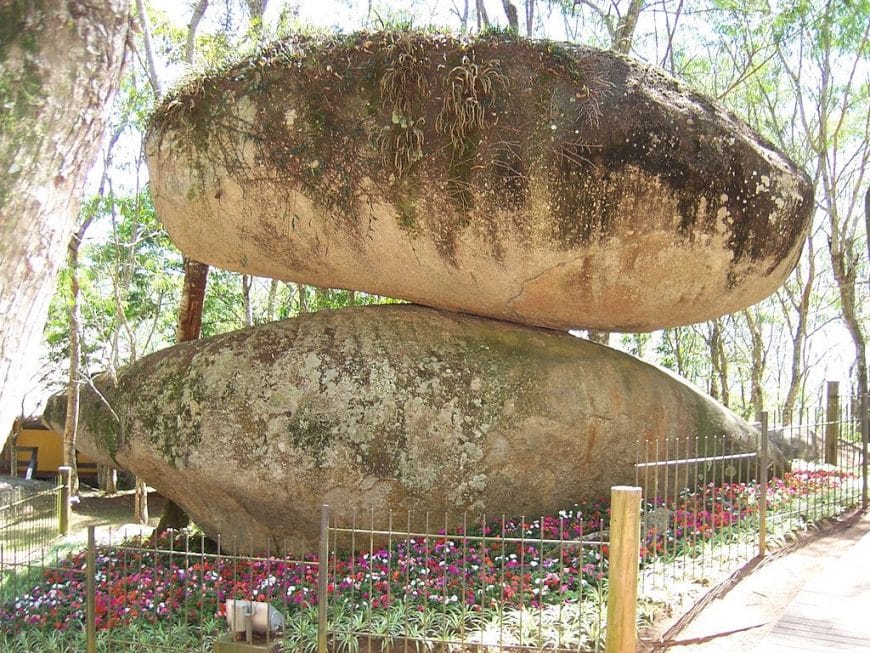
(814,598)
(831,612)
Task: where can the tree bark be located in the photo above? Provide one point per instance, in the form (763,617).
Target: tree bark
(189,328)
(301,298)
(192,299)
(867,230)
(75,354)
(482,18)
(510,10)
(140,503)
(624,33)
(107,479)
(61,67)
(151,67)
(601,337)
(530,17)
(757,357)
(270,301)
(247,284)
(195,18)
(799,333)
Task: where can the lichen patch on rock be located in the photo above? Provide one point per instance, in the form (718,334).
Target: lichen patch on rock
(390,408)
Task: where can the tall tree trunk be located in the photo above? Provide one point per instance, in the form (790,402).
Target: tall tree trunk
(867,229)
(301,298)
(510,10)
(151,66)
(461,15)
(73,389)
(140,502)
(192,28)
(247,283)
(530,17)
(718,363)
(189,327)
(624,33)
(482,18)
(601,337)
(107,479)
(270,300)
(757,364)
(798,333)
(61,66)
(192,297)
(192,300)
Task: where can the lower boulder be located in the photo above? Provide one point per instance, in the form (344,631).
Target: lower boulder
(386,408)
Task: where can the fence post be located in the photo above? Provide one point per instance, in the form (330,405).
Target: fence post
(622,572)
(763,462)
(865,436)
(91,591)
(832,422)
(322,579)
(64,510)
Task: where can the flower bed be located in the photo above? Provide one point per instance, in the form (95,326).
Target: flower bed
(496,566)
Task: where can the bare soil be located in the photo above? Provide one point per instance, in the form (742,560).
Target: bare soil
(112,515)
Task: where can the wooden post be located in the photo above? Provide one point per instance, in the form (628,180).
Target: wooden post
(13,447)
(832,422)
(322,579)
(622,574)
(91,591)
(865,437)
(763,461)
(64,509)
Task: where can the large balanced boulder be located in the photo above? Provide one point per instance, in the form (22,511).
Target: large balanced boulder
(388,407)
(534,182)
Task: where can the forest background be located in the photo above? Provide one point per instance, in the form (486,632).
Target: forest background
(796,70)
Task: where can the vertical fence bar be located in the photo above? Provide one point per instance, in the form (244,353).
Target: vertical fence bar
(322,580)
(91,590)
(832,422)
(865,436)
(63,513)
(762,487)
(622,574)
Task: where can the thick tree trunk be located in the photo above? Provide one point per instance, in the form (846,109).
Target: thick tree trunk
(192,299)
(60,66)
(189,327)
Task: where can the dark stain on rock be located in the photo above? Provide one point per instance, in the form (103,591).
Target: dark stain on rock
(330,119)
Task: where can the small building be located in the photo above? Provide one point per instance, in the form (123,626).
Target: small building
(39,452)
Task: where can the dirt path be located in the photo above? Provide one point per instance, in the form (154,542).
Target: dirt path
(111,514)
(737,615)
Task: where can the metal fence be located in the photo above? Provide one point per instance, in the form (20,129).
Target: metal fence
(28,519)
(395,583)
(469,582)
(713,503)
